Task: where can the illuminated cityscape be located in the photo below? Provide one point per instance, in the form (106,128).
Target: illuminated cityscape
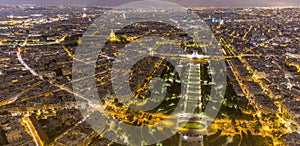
(259,49)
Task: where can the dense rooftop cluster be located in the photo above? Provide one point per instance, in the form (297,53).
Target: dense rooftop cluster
(37,46)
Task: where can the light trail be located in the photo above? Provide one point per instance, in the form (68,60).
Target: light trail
(247,32)
(32,133)
(26,90)
(25,65)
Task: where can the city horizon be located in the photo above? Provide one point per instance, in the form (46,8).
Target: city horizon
(189,3)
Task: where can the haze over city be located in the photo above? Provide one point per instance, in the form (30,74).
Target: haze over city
(189,3)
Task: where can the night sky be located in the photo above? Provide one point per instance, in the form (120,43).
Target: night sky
(189,3)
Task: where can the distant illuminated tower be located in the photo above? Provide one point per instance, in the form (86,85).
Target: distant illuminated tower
(113,37)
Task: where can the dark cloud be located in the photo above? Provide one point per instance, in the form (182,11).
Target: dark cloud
(199,3)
